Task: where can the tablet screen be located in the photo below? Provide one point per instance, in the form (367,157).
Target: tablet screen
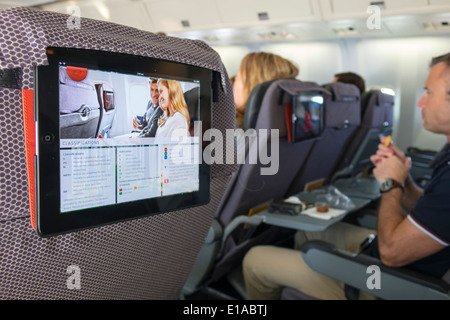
(117,162)
(124,133)
(307,115)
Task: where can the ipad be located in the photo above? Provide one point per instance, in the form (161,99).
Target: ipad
(307,115)
(118,137)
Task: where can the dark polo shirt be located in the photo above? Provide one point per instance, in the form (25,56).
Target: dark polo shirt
(432,216)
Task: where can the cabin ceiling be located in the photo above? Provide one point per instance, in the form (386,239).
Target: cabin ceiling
(220,22)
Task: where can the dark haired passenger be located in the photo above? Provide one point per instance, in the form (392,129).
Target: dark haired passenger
(351,78)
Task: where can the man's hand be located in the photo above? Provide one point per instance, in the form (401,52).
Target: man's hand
(136,124)
(386,151)
(392,167)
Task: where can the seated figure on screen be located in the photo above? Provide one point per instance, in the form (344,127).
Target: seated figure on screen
(153,112)
(175,120)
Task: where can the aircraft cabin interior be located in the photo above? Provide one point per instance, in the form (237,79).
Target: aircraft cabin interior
(94,205)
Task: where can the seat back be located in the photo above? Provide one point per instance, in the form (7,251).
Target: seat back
(147,258)
(106,99)
(191,97)
(80,110)
(249,187)
(377,113)
(341,119)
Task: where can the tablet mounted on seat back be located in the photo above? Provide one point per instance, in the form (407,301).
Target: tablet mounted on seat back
(93,178)
(132,259)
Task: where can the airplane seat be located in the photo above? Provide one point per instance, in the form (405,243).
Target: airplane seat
(235,230)
(352,175)
(146,258)
(377,115)
(105,96)
(362,272)
(341,120)
(289,293)
(422,165)
(80,112)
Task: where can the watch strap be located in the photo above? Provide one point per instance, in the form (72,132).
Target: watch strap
(394,184)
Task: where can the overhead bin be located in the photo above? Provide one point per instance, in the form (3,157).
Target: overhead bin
(234,13)
(172,16)
(129,13)
(439,3)
(347,9)
(267,20)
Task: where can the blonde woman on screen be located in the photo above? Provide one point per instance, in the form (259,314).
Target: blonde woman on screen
(175,120)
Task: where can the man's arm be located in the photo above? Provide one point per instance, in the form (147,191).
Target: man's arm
(136,124)
(412,191)
(411,195)
(400,242)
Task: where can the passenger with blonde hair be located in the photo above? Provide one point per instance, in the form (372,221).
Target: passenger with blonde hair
(175,120)
(256,68)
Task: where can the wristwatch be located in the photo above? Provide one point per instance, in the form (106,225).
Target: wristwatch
(389,184)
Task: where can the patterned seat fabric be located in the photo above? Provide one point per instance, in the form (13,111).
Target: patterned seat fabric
(147,258)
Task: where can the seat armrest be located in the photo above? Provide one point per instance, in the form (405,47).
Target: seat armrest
(369,274)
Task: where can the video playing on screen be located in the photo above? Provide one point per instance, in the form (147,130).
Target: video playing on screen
(125,137)
(307,116)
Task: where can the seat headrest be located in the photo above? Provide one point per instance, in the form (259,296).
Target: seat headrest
(377,109)
(342,106)
(254,104)
(265,107)
(344,92)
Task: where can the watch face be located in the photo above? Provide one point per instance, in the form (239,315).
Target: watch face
(386,185)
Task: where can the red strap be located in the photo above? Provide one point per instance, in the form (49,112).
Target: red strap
(30,146)
(288,116)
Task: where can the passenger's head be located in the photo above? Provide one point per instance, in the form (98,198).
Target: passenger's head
(154,93)
(445,58)
(256,68)
(171,98)
(351,78)
(435,103)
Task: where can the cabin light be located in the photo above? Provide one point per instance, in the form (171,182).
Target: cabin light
(211,39)
(272,35)
(345,31)
(388,91)
(269,35)
(429,26)
(436,25)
